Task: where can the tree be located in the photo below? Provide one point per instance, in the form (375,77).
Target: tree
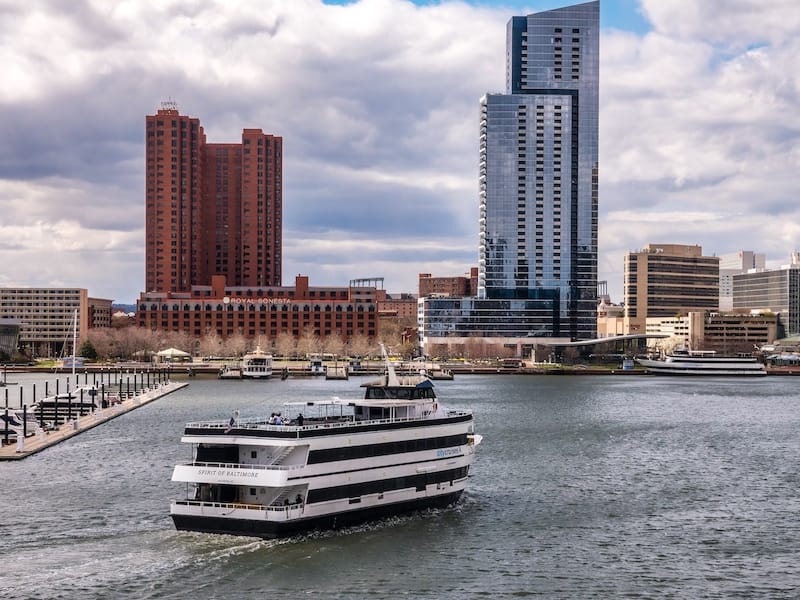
(285,345)
(87,350)
(333,344)
(308,343)
(359,345)
(211,344)
(236,345)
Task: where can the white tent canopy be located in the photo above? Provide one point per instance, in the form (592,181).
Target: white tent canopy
(171,354)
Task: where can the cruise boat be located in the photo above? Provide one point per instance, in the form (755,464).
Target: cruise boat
(704,363)
(394,451)
(257,365)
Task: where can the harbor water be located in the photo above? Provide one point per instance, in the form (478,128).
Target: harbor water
(583,487)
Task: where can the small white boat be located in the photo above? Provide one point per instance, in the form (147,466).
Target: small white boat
(704,363)
(18,422)
(257,365)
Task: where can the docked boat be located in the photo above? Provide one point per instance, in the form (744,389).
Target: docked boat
(439,374)
(394,451)
(230,372)
(704,363)
(257,365)
(16,422)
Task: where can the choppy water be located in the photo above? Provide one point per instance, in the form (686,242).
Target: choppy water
(584,487)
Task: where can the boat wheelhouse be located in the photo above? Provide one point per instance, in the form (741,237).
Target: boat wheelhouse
(395,450)
(257,365)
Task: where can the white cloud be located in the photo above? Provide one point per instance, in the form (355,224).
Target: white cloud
(377,102)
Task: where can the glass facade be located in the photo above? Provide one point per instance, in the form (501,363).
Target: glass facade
(775,291)
(539,169)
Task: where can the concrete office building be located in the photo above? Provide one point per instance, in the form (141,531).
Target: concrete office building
(537,261)
(723,333)
(774,291)
(211,209)
(45,317)
(735,263)
(666,280)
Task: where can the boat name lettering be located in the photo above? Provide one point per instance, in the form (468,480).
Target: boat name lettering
(448,452)
(227,473)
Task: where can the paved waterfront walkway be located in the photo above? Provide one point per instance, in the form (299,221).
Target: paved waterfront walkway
(39,442)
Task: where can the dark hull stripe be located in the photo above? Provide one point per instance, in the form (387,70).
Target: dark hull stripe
(378,486)
(271,529)
(372,468)
(313,433)
(329,455)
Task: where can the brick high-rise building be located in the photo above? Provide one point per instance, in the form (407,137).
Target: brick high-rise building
(211,209)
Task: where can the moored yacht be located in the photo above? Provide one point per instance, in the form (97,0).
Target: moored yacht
(257,365)
(704,362)
(394,451)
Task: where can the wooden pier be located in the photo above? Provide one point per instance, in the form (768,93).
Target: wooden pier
(23,448)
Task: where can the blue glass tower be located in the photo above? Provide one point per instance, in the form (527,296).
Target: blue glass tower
(537,263)
(538,174)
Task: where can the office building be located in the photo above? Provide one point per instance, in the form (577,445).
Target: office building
(46,317)
(9,339)
(211,208)
(727,334)
(734,263)
(772,291)
(537,262)
(456,286)
(666,280)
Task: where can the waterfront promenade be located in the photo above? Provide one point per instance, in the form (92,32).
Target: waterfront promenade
(42,440)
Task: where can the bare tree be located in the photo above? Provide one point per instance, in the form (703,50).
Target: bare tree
(102,341)
(285,345)
(359,345)
(333,344)
(309,343)
(236,345)
(211,344)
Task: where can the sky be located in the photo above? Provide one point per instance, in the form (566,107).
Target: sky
(377,102)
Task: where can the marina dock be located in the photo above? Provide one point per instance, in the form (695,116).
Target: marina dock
(44,439)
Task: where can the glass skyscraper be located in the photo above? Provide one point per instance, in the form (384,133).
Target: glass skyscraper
(537,264)
(538,170)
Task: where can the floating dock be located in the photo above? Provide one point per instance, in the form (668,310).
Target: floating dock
(23,448)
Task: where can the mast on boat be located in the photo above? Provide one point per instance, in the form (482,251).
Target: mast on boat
(74,340)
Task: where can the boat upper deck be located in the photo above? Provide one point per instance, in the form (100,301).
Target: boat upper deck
(321,426)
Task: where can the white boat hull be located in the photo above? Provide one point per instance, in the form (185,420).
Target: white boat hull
(707,367)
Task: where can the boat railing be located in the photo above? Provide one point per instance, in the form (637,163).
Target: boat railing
(311,424)
(272,508)
(244,466)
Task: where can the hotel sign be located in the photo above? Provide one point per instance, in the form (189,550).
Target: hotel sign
(247,300)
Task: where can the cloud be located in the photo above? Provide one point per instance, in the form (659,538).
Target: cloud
(377,103)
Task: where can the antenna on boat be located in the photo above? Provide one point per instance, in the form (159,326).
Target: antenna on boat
(391,376)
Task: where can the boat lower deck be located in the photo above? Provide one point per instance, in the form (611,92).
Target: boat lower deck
(294,524)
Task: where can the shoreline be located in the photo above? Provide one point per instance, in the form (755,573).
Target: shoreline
(300,369)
